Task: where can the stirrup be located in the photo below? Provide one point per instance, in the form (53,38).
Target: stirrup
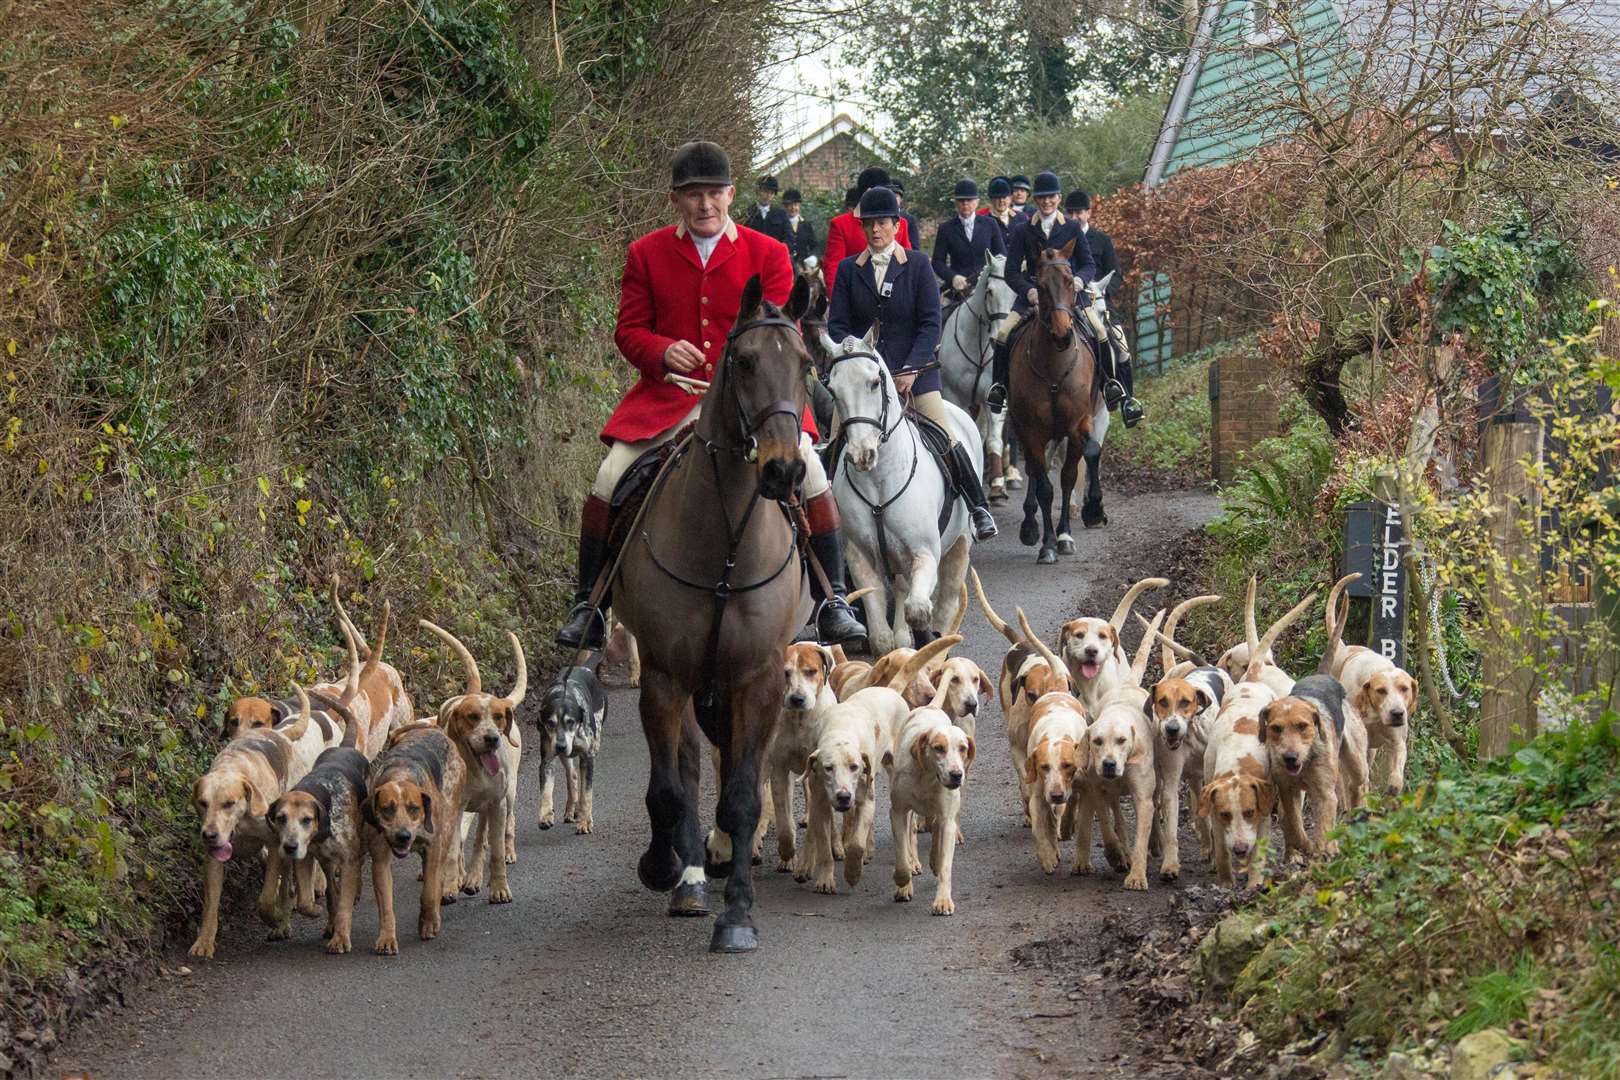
(1113,393)
(996,399)
(1131,412)
(585,628)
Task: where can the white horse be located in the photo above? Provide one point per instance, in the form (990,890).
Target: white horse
(966,344)
(884,465)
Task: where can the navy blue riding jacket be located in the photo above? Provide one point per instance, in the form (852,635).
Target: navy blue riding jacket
(954,253)
(909,313)
(1019,268)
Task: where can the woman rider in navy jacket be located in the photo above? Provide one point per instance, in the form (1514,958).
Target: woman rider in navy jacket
(906,304)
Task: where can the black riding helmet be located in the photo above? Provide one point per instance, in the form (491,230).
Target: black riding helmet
(879,202)
(699,162)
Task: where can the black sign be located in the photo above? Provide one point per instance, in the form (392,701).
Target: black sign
(1374,545)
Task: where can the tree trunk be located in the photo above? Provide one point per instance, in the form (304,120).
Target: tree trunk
(1512,648)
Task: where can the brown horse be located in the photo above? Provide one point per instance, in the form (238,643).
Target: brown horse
(1055,396)
(710,585)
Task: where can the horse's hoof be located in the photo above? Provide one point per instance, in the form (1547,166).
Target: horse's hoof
(1092,516)
(659,870)
(1047,556)
(733,939)
(688,900)
(1065,546)
(1029,533)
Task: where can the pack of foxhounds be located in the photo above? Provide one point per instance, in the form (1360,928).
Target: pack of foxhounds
(346,773)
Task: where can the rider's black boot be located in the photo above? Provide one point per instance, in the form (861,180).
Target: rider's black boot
(1130,410)
(836,623)
(584,628)
(965,478)
(1000,369)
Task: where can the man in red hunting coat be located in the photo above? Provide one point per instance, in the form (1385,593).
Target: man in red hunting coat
(844,235)
(679,297)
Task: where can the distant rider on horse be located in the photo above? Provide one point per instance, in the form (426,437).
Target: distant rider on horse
(896,289)
(679,297)
(962,241)
(1053,230)
(1078,206)
(1000,209)
(844,235)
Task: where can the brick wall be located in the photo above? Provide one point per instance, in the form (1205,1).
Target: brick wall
(1243,408)
(832,166)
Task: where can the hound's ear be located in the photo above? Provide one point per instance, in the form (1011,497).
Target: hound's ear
(972,752)
(1147,707)
(1204,700)
(271,812)
(810,763)
(1265,796)
(828,657)
(1265,722)
(427,815)
(753,293)
(1206,800)
(798,300)
(1362,702)
(508,724)
(866,765)
(323,824)
(278,713)
(1030,765)
(1138,749)
(984,685)
(445,710)
(255,801)
(1409,692)
(368,811)
(919,748)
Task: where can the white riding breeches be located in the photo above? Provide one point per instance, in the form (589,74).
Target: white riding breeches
(621,455)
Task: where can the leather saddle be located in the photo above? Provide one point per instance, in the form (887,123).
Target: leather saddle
(934,439)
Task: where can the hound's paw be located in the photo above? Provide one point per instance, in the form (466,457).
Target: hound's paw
(584,827)
(470,887)
(569,817)
(500,894)
(1116,859)
(311,911)
(1169,871)
(1136,882)
(203,950)
(547,820)
(944,905)
(387,945)
(279,932)
(1330,848)
(854,866)
(902,893)
(916,867)
(826,886)
(1082,868)
(427,927)
(1028,824)
(510,858)
(1048,864)
(338,944)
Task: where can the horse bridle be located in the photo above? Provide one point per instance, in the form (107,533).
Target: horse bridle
(882,420)
(1046,316)
(749,451)
(985,322)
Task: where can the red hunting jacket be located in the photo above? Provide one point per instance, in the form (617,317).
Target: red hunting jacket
(668,295)
(844,238)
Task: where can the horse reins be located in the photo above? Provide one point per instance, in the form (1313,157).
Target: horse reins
(984,323)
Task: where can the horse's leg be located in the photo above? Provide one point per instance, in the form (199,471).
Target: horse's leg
(1041,481)
(919,605)
(1071,470)
(1029,533)
(663,711)
(993,426)
(1013,454)
(875,602)
(754,710)
(1091,514)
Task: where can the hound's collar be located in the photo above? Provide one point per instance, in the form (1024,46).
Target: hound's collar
(729,232)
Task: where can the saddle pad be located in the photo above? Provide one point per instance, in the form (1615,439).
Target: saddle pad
(632,489)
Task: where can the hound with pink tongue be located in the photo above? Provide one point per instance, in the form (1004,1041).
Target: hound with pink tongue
(485,731)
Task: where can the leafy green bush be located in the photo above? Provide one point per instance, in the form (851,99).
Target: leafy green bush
(1476,899)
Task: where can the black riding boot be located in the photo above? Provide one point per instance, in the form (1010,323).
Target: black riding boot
(585,628)
(965,478)
(836,623)
(1000,370)
(1130,410)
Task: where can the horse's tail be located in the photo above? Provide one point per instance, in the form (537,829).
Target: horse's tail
(989,613)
